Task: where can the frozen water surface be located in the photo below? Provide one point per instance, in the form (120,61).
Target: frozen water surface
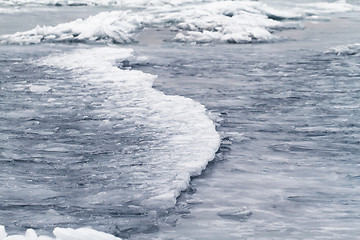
(89,149)
(288,164)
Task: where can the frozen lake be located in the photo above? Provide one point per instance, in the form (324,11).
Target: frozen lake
(90,137)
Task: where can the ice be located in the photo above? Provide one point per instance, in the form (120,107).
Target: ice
(223,21)
(126,3)
(60,234)
(188,137)
(329,7)
(109,27)
(3,233)
(136,148)
(238,214)
(228,21)
(214,21)
(82,234)
(39,88)
(350,49)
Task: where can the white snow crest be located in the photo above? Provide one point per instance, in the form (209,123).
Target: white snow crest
(110,27)
(227,21)
(189,138)
(223,21)
(201,22)
(60,234)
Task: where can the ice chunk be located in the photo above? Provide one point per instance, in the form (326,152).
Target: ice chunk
(350,49)
(220,21)
(39,88)
(236,214)
(60,234)
(227,21)
(214,21)
(82,234)
(3,233)
(30,234)
(109,27)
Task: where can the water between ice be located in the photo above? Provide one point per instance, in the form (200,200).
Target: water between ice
(288,166)
(92,144)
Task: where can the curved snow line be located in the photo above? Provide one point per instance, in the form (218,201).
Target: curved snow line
(190,139)
(186,138)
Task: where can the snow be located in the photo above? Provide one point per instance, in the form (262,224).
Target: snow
(60,234)
(214,21)
(189,136)
(110,27)
(223,21)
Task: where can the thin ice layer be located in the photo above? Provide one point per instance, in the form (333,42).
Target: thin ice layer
(60,234)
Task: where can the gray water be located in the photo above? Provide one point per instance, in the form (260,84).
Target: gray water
(287,168)
(57,153)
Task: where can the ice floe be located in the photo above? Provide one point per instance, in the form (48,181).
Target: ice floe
(60,234)
(201,22)
(350,49)
(224,21)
